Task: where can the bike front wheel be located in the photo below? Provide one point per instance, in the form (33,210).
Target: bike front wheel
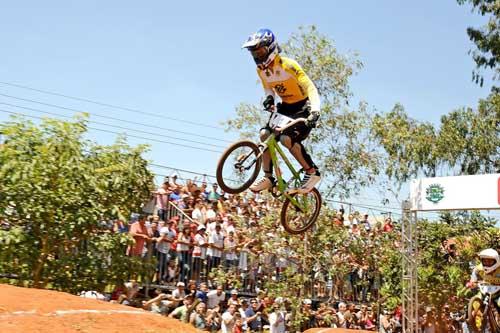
(238,167)
(300,213)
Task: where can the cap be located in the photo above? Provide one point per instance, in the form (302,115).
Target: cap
(234,292)
(307,301)
(201,227)
(180,284)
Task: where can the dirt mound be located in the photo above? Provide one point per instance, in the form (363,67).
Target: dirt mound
(36,310)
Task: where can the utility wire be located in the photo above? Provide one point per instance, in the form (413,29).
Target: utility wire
(107,105)
(113,118)
(183,170)
(118,133)
(114,126)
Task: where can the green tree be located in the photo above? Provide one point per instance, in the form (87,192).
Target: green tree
(341,145)
(57,188)
(486,38)
(466,142)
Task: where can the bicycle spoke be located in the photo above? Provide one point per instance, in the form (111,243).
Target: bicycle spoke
(300,211)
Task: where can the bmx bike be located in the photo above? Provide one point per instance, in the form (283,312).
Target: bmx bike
(240,164)
(481,313)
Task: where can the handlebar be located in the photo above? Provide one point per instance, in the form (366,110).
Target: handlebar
(292,123)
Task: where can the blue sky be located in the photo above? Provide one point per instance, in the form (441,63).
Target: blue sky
(183,60)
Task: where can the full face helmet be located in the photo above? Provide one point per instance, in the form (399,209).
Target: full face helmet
(490,260)
(263,47)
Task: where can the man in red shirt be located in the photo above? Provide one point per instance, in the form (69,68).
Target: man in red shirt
(139,232)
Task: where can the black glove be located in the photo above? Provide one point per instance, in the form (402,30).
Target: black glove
(268,102)
(312,119)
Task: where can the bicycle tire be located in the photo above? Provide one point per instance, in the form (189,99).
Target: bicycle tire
(471,320)
(223,159)
(291,229)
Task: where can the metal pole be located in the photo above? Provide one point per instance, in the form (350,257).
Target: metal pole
(409,269)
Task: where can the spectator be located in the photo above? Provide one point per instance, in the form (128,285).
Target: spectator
(200,243)
(156,305)
(234,298)
(213,196)
(198,213)
(276,320)
(139,232)
(181,312)
(202,292)
(197,318)
(162,196)
(385,324)
(429,324)
(215,297)
(183,243)
(175,196)
(388,226)
(230,245)
(215,247)
(179,292)
(366,225)
(119,226)
(163,245)
(228,319)
(253,316)
(341,314)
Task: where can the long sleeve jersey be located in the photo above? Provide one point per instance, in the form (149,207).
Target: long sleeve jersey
(288,80)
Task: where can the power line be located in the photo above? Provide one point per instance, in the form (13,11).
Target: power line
(118,133)
(107,105)
(113,118)
(114,126)
(183,170)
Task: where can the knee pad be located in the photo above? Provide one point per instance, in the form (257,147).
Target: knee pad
(286,141)
(264,134)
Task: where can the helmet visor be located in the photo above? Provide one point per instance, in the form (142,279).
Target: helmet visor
(259,54)
(488,262)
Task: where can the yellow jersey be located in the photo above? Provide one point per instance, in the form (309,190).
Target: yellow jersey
(285,78)
(479,275)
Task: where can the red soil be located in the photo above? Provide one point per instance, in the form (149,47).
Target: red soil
(34,310)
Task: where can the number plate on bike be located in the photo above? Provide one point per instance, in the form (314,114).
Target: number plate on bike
(489,289)
(278,120)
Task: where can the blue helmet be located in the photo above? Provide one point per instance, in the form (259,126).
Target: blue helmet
(263,47)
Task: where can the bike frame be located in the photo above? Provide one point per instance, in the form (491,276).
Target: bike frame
(274,150)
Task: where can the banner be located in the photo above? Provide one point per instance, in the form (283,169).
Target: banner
(455,193)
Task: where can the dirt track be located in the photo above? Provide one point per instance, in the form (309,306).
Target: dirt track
(34,310)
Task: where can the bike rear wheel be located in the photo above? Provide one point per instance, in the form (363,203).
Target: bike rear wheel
(238,167)
(298,219)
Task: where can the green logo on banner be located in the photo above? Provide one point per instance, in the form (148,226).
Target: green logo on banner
(434,193)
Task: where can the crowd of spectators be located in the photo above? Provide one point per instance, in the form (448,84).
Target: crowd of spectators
(196,228)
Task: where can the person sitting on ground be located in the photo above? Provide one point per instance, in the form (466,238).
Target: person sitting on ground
(197,318)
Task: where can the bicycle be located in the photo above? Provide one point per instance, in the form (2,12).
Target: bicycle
(482,315)
(240,164)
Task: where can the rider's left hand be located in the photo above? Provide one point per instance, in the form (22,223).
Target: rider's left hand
(312,119)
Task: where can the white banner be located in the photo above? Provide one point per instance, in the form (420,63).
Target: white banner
(456,193)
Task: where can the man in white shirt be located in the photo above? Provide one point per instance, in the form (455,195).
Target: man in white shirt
(277,320)
(215,297)
(163,244)
(228,319)
(215,247)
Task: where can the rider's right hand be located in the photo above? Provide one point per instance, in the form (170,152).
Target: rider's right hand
(268,103)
